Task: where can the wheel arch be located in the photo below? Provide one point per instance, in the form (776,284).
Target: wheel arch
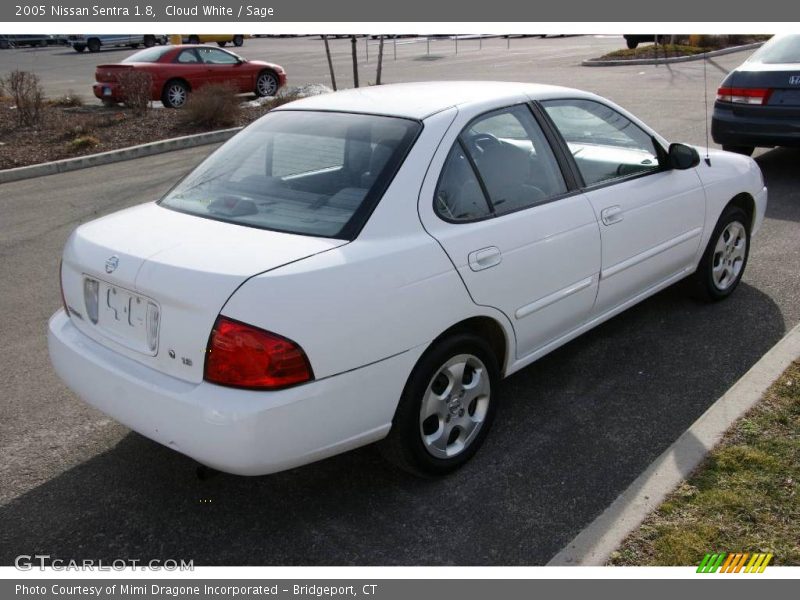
(747,203)
(486,328)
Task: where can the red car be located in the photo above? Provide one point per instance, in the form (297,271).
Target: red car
(177,70)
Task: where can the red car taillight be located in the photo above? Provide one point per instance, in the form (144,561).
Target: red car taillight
(743,95)
(240,355)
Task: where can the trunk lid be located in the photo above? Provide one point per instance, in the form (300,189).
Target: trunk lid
(186,267)
(782,79)
(109,73)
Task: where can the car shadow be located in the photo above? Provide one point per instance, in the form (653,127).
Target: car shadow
(781,175)
(572,432)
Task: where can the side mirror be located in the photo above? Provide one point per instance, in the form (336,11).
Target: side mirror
(682,156)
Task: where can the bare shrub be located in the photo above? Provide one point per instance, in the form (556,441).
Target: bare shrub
(68,100)
(213,105)
(26,92)
(83,142)
(135,89)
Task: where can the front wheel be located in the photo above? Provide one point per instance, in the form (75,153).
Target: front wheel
(175,94)
(238,40)
(725,258)
(93,45)
(266,84)
(446,409)
(149,41)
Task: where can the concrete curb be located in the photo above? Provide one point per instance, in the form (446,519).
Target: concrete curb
(112,156)
(594,545)
(675,59)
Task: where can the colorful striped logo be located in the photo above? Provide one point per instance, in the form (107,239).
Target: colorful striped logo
(734,563)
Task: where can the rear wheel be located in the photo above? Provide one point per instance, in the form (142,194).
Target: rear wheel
(266,84)
(446,409)
(631,44)
(745,150)
(238,40)
(93,45)
(221,44)
(175,94)
(725,258)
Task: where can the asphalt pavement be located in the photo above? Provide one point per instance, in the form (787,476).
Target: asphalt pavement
(573,431)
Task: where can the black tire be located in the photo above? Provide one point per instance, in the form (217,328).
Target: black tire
(632,44)
(79,47)
(238,40)
(93,45)
(405,447)
(744,150)
(267,84)
(149,41)
(169,95)
(222,44)
(193,39)
(706,286)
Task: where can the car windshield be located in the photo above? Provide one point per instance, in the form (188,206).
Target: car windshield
(148,54)
(306,172)
(779,50)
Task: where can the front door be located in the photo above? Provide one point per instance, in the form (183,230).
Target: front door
(651,217)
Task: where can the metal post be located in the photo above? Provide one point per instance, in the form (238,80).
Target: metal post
(480,42)
(428,43)
(508,42)
(395,47)
(456,44)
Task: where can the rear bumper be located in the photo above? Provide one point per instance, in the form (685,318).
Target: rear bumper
(107,91)
(238,431)
(753,130)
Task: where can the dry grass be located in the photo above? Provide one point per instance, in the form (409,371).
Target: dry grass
(744,497)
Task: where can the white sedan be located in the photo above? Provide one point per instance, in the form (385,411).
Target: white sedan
(366,265)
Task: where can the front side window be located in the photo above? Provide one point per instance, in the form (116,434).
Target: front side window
(500,163)
(605,144)
(312,173)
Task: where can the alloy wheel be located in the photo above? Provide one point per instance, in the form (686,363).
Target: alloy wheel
(729,255)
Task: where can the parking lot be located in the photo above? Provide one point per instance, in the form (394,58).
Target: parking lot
(573,431)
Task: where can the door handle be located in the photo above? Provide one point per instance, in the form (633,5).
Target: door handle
(485,258)
(611,215)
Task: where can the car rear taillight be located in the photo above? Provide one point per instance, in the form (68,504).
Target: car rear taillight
(743,95)
(240,355)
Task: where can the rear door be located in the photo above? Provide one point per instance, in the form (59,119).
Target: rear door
(521,238)
(651,218)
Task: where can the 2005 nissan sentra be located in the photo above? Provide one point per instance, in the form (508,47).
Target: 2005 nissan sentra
(366,265)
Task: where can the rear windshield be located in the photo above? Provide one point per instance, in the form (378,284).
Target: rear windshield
(312,173)
(148,54)
(779,50)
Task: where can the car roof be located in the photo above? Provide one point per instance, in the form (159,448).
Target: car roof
(423,99)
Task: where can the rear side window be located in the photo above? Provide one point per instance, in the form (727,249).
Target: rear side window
(500,163)
(312,173)
(779,50)
(153,54)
